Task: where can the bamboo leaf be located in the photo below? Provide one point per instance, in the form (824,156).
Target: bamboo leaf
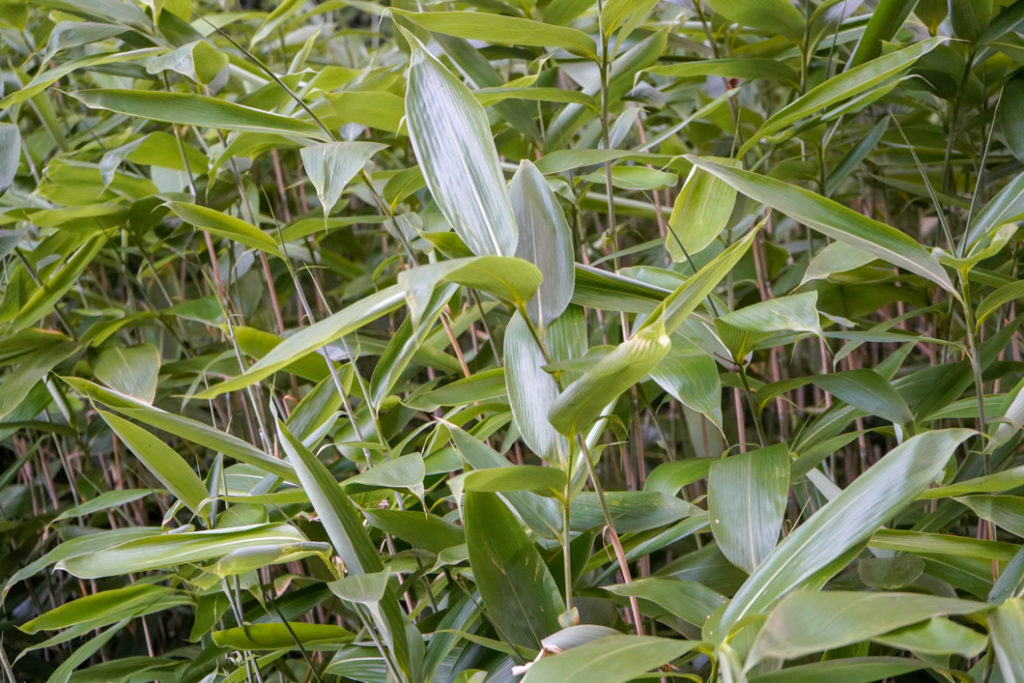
(453,144)
(845,617)
(544,240)
(1006,628)
(133,371)
(504,30)
(309,339)
(836,221)
(701,212)
(331,165)
(843,523)
(842,87)
(518,593)
(531,392)
(747,496)
(223,225)
(160,459)
(581,403)
(611,659)
(10,154)
(196,110)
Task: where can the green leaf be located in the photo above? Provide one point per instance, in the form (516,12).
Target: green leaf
(10,154)
(1006,512)
(102,608)
(158,551)
(771,16)
(743,329)
(1011,291)
(544,240)
(836,258)
(455,149)
(504,30)
(1007,206)
(104,501)
(852,670)
(806,622)
(334,508)
(57,282)
(684,300)
(309,339)
(747,68)
(131,370)
(836,221)
(843,523)
(366,589)
(183,427)
(612,659)
(691,377)
(970,18)
(81,545)
(990,483)
(417,528)
(1006,628)
(688,600)
(583,401)
(518,593)
(1011,125)
(701,211)
(747,496)
(223,225)
(531,392)
(331,165)
(196,110)
(160,459)
(890,573)
(669,477)
(631,511)
(508,278)
(350,539)
(959,547)
(867,390)
(543,480)
(841,87)
(277,636)
(886,19)
(936,637)
(30,371)
(406,471)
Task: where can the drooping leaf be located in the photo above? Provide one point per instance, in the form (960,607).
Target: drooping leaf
(331,165)
(1006,628)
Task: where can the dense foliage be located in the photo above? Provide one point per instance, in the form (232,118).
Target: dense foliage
(461,341)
